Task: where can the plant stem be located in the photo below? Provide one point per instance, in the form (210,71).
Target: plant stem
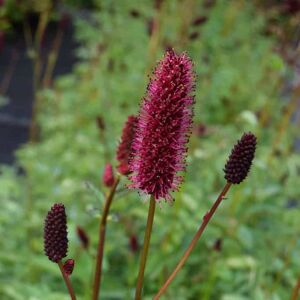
(144,254)
(67,281)
(52,58)
(196,237)
(37,69)
(296,290)
(102,230)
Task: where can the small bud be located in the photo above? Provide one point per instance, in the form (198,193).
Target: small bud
(240,159)
(134,13)
(218,245)
(69,266)
(55,233)
(194,35)
(108,175)
(100,123)
(199,20)
(133,243)
(124,150)
(83,237)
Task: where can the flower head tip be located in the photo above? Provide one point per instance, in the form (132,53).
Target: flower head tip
(163,127)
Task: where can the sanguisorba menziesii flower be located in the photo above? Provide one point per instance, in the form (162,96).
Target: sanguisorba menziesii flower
(163,127)
(240,160)
(55,233)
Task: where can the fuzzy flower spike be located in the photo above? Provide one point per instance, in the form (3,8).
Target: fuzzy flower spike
(163,127)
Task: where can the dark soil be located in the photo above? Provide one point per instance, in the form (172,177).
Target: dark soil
(16,114)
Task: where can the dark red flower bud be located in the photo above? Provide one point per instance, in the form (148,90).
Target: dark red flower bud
(55,233)
(68,266)
(108,175)
(124,150)
(164,127)
(218,245)
(133,243)
(134,13)
(83,237)
(240,159)
(199,21)
(100,123)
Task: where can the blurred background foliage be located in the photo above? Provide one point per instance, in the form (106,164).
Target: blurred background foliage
(251,249)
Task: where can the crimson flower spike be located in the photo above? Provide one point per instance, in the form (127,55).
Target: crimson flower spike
(240,159)
(56,240)
(55,233)
(161,135)
(163,128)
(236,170)
(124,151)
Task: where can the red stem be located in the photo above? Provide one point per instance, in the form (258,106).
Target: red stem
(196,237)
(67,281)
(144,254)
(296,290)
(102,230)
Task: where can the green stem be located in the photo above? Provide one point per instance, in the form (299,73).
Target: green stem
(102,231)
(196,237)
(67,281)
(144,254)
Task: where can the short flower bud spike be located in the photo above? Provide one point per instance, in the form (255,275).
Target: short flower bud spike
(163,127)
(108,175)
(240,159)
(69,266)
(83,237)
(124,150)
(55,233)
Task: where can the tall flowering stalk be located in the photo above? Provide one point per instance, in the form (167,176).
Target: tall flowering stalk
(236,170)
(56,241)
(161,137)
(123,155)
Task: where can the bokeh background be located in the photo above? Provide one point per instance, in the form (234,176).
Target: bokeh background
(71,73)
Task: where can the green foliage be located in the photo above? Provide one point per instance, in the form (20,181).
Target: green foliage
(239,80)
